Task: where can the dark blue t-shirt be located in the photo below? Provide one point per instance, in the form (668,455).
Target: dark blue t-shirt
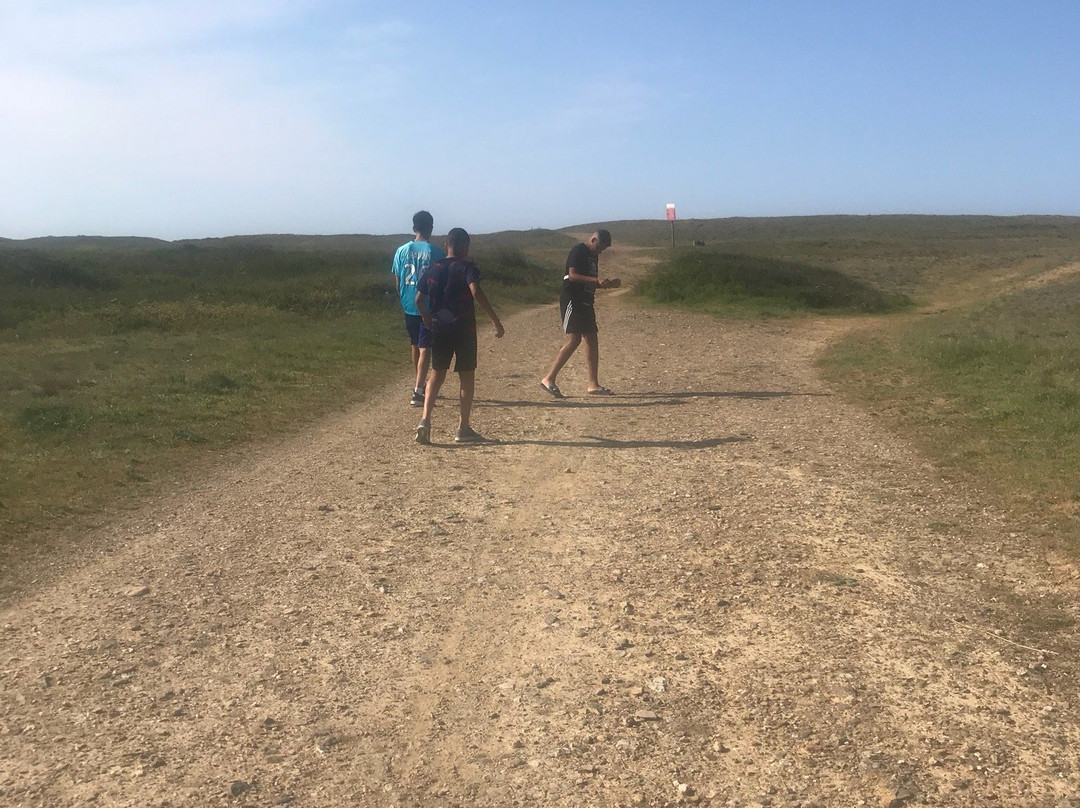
(449,298)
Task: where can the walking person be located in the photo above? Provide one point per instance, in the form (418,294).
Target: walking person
(411,262)
(445,301)
(580,283)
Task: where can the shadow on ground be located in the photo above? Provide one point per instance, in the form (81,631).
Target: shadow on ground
(597,442)
(644,399)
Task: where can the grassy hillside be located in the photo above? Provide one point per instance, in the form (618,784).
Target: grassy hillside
(120,362)
(123,359)
(810,229)
(907,255)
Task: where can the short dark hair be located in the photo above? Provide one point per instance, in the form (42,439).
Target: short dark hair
(605,237)
(457,238)
(423,223)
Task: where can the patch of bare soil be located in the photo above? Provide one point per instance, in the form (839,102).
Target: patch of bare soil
(722,587)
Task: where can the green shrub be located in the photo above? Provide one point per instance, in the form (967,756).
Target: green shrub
(724,281)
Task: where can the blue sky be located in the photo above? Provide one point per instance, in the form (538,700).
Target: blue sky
(193,118)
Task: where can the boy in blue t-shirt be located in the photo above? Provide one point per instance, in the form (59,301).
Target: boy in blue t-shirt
(445,300)
(411,262)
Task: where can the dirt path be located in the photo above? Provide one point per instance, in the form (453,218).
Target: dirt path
(723,587)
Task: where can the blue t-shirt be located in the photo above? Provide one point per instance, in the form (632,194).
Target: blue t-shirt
(411,263)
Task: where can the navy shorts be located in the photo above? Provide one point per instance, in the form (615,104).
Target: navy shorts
(578,316)
(418,333)
(448,344)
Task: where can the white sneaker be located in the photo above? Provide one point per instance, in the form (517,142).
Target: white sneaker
(423,433)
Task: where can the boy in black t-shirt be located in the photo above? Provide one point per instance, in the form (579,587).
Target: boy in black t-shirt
(580,283)
(445,298)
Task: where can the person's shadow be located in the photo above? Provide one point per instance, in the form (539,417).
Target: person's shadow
(597,442)
(642,399)
(635,400)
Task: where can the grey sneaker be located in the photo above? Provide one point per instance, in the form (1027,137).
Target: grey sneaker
(417,399)
(423,433)
(467,434)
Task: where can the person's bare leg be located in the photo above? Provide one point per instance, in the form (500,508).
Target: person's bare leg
(561,358)
(431,392)
(421,361)
(465,396)
(434,382)
(592,360)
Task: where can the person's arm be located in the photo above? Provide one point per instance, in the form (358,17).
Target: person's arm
(396,268)
(481,298)
(422,307)
(572,275)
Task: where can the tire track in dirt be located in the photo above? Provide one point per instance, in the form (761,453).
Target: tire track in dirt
(1000,284)
(724,586)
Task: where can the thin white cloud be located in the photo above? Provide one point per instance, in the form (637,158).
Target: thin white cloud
(146,107)
(68,31)
(236,112)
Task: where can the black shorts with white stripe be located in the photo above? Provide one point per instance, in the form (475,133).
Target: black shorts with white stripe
(578,316)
